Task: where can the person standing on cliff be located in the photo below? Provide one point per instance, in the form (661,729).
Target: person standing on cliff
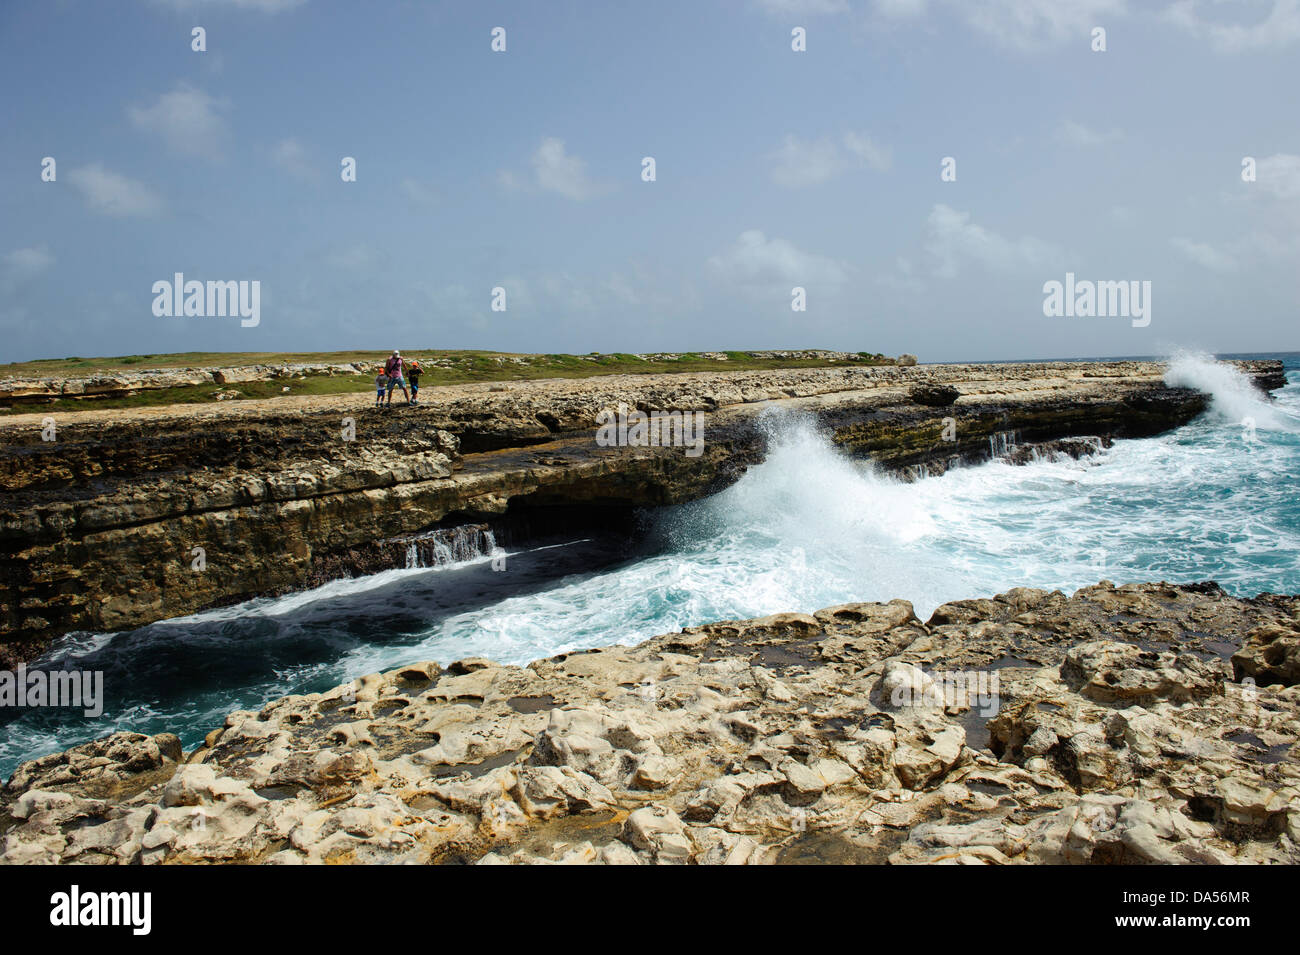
(393,368)
(413,370)
(381,382)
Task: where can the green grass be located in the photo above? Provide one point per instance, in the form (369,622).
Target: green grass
(466,366)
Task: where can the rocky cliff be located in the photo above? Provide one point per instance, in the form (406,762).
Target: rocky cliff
(113,519)
(1140,724)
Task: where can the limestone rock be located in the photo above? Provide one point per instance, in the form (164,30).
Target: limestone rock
(934,396)
(297,491)
(1112,672)
(768,740)
(1271,655)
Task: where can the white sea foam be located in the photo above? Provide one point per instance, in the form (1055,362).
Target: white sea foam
(1234,398)
(810,527)
(807,528)
(299,600)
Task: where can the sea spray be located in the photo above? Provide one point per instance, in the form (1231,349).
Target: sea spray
(807,528)
(1233,396)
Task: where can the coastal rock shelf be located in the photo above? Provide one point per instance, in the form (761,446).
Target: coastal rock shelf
(122,383)
(1120,725)
(113,519)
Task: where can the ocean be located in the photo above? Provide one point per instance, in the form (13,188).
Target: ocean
(808,528)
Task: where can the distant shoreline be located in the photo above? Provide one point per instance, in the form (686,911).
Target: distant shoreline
(1218,356)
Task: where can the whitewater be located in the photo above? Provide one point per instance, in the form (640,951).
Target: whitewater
(807,528)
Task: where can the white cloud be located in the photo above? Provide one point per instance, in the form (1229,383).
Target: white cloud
(568,294)
(1077,134)
(112,194)
(1205,255)
(1029,25)
(1278,27)
(900,9)
(353,258)
(1034,24)
(27,262)
(903,278)
(1279,175)
(561,288)
(799,8)
(187,119)
(290,156)
(1269,247)
(22,265)
(874,155)
(557,171)
(661,293)
(759,262)
(1025,25)
(263,6)
(623,291)
(800,163)
(954,239)
(420,192)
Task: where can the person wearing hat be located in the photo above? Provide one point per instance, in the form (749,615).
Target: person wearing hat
(393,368)
(413,370)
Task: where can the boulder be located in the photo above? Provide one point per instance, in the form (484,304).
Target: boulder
(934,396)
(1271,655)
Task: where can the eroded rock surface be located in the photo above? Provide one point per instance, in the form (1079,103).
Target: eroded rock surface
(1106,727)
(128,517)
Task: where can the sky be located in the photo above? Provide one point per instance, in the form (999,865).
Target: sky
(523,170)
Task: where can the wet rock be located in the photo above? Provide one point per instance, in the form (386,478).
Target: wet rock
(765,740)
(117,765)
(295,492)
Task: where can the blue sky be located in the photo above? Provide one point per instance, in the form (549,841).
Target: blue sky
(775,168)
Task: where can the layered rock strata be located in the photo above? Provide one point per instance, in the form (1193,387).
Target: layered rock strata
(114,519)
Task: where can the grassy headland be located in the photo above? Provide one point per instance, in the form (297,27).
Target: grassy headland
(441,367)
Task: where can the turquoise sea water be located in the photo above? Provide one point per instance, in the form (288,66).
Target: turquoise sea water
(806,529)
